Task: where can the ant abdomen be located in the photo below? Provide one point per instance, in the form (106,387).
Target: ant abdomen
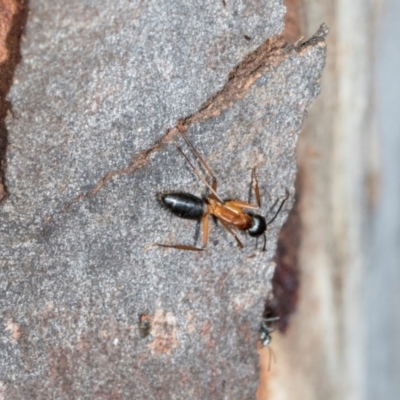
(184,205)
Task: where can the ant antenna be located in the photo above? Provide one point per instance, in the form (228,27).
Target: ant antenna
(271,356)
(280,208)
(198,174)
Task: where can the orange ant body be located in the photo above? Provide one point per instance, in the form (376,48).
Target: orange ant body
(230,213)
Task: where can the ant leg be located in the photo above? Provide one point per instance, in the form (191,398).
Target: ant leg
(267,320)
(254,185)
(204,222)
(206,229)
(200,158)
(234,204)
(196,233)
(199,175)
(225,225)
(280,208)
(179,247)
(271,356)
(265,242)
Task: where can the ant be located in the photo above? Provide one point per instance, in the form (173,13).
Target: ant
(230,213)
(145,322)
(266,329)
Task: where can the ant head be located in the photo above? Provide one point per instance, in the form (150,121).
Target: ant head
(259,226)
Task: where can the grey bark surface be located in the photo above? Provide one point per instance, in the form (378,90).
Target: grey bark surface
(96,101)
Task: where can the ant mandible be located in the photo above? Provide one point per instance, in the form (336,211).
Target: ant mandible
(230,213)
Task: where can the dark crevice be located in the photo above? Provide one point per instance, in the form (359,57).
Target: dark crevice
(286,279)
(19,11)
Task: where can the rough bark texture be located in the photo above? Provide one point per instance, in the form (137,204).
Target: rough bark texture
(97,100)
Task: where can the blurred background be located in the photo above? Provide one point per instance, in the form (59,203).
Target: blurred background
(342,338)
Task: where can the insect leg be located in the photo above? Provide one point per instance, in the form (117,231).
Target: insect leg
(205,225)
(199,175)
(200,158)
(206,228)
(225,225)
(179,247)
(196,233)
(255,187)
(232,204)
(265,242)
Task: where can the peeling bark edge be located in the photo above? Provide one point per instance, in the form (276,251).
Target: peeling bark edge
(16,21)
(268,55)
(286,278)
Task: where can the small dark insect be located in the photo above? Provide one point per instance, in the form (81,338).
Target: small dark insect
(231,213)
(144,325)
(266,329)
(247,37)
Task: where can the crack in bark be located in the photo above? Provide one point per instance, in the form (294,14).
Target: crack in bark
(267,56)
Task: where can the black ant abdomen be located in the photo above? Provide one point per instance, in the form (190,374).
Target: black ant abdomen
(184,205)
